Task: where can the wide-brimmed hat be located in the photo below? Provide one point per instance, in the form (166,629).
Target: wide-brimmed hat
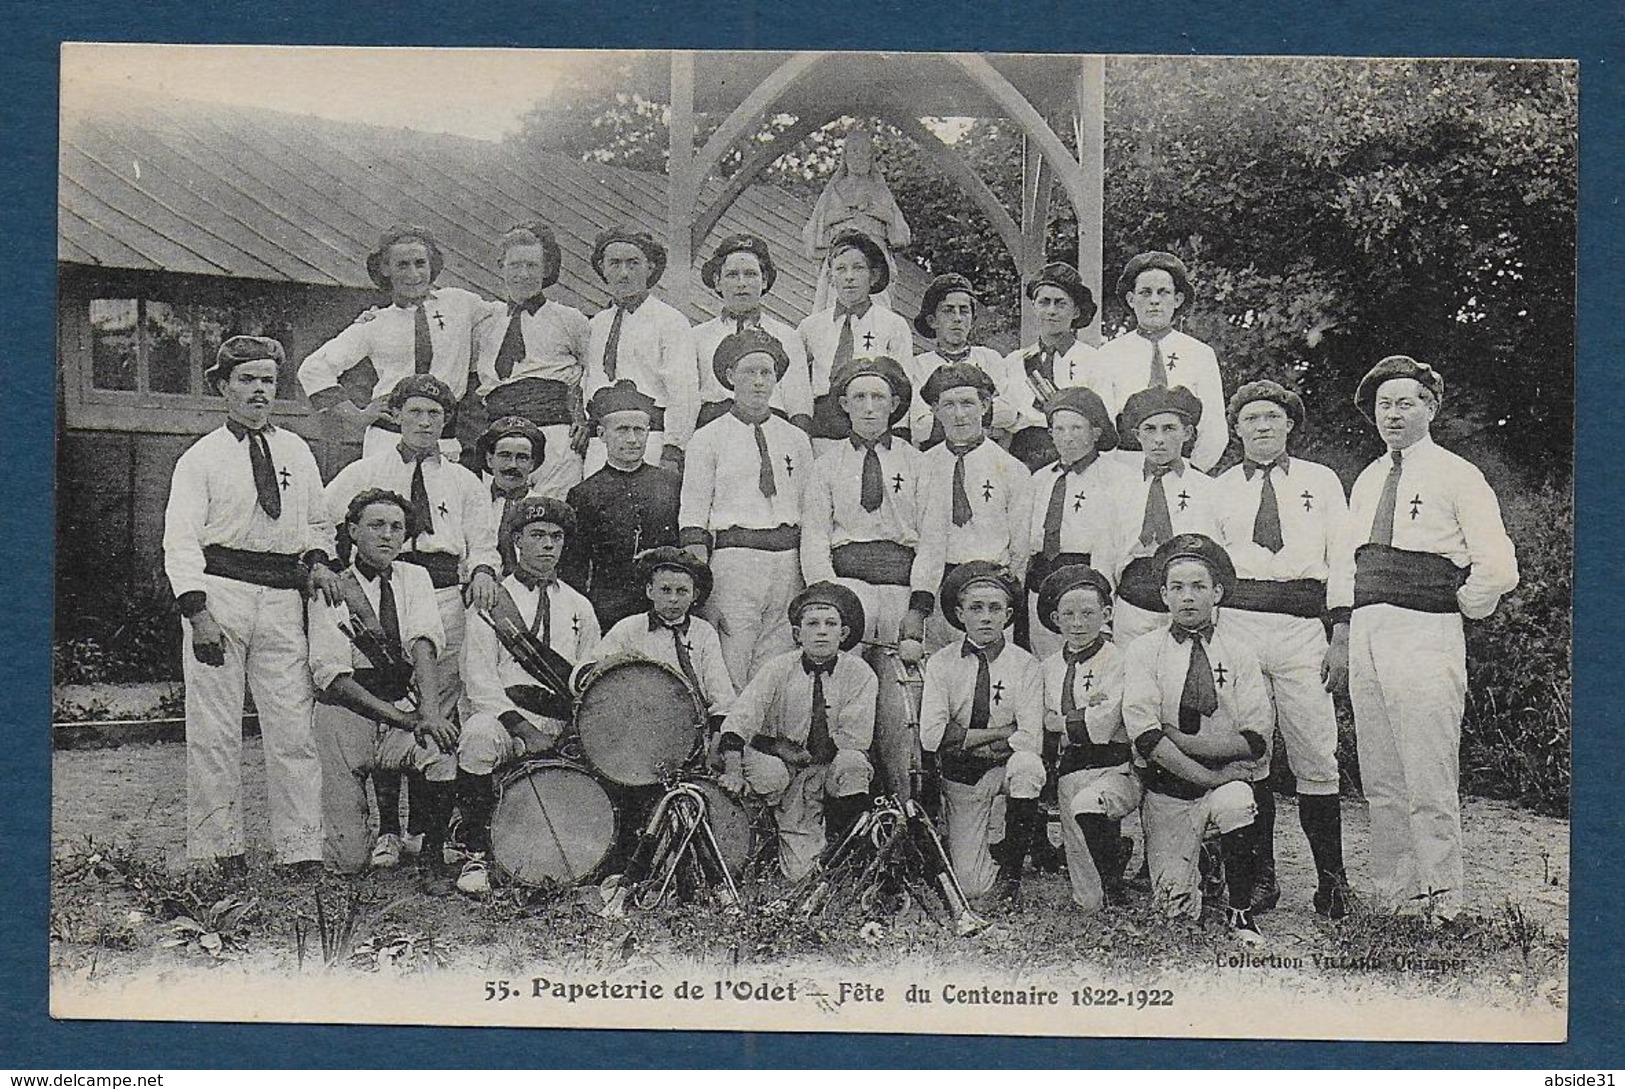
(509,427)
(748,341)
(952,376)
(1154,401)
(1395,366)
(1151,259)
(622,395)
(938,289)
(243,349)
(422,385)
(711,271)
(552,257)
(1086,403)
(845,602)
(643,240)
(1266,390)
(879,267)
(878,366)
(971,573)
(1196,546)
(672,558)
(404,232)
(1062,581)
(538,508)
(1064,276)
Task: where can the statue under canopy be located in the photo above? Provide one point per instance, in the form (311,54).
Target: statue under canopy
(857,197)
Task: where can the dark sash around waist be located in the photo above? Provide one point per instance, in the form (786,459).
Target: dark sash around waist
(538,700)
(711,410)
(1292,597)
(442,567)
(542,401)
(1423,581)
(276,570)
(1089,755)
(777,539)
(882,563)
(389,685)
(829,421)
(1159,780)
(1141,587)
(1042,567)
(959,766)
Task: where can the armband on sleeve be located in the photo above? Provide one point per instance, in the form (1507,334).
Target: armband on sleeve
(730,743)
(1255,743)
(1147,742)
(922,602)
(192,602)
(511,720)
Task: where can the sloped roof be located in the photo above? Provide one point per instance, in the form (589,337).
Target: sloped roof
(212,190)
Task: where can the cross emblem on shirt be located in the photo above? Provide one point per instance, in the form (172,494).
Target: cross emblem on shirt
(789,466)
(287,477)
(1088,680)
(1077,501)
(998,690)
(897,482)
(1308,500)
(868,341)
(1416,506)
(443,509)
(575,625)
(1184,499)
(1173,358)
(688,645)
(1218,674)
(1070,366)
(438,320)
(987,490)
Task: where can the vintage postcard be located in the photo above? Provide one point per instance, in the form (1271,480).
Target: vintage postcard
(998,544)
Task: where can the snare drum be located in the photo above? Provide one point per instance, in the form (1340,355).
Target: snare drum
(552,823)
(638,721)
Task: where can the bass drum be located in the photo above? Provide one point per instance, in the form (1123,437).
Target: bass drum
(553,824)
(638,721)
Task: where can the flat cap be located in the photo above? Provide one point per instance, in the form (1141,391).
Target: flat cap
(711,271)
(940,288)
(1062,581)
(672,558)
(1196,546)
(422,385)
(977,573)
(952,376)
(879,366)
(736,346)
(243,349)
(1064,276)
(844,601)
(1154,401)
(1086,403)
(621,396)
(1395,366)
(643,240)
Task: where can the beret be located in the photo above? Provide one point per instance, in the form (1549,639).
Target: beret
(403,232)
(539,508)
(880,366)
(1154,401)
(736,346)
(1196,546)
(243,349)
(544,237)
(1395,366)
(1062,581)
(422,385)
(1266,390)
(952,376)
(879,267)
(1064,276)
(672,558)
(506,428)
(937,290)
(1086,403)
(621,396)
(972,573)
(845,602)
(1151,259)
(711,271)
(643,240)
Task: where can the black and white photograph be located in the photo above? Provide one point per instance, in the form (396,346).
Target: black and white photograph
(1019,544)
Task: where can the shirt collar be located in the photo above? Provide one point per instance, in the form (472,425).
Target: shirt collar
(1419,448)
(1080,465)
(530,305)
(518,493)
(631,307)
(741,322)
(1182,634)
(531,582)
(410,456)
(1078,656)
(656,624)
(969,448)
(1153,337)
(991,652)
(1250,469)
(421,302)
(955,357)
(884,441)
(859,311)
(1177,467)
(368,573)
(810,667)
(239,432)
(1061,348)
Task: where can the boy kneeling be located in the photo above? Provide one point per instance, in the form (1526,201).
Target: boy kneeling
(1195,706)
(799,733)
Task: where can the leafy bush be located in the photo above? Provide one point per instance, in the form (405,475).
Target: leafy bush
(124,637)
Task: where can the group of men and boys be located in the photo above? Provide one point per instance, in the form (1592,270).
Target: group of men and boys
(793,517)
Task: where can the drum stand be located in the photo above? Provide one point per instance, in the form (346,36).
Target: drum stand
(678,852)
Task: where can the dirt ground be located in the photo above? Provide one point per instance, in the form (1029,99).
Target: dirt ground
(116,920)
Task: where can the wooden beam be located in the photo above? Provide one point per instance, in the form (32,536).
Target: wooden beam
(953,164)
(1036,183)
(1091,136)
(757,161)
(682,182)
(749,113)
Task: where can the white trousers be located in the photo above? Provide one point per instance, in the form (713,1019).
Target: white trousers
(266,651)
(448,664)
(350,747)
(561,467)
(1291,649)
(895,739)
(484,745)
(749,606)
(1129,622)
(1408,680)
(974,815)
(1174,830)
(798,797)
(1111,792)
(598,454)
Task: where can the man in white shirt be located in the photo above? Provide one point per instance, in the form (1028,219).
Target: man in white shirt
(1156,286)
(1424,548)
(1063,304)
(741,272)
(947,316)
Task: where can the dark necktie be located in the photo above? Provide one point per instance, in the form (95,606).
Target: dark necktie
(954,357)
(979,705)
(1041,375)
(1073,659)
(843,345)
(962,511)
(746,321)
(612,346)
(422,346)
(543,620)
(389,617)
(684,661)
(819,744)
(764,464)
(1158,524)
(872,489)
(270,497)
(513,341)
(422,512)
(1159,368)
(1057,505)
(1198,698)
(1382,528)
(1267,523)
